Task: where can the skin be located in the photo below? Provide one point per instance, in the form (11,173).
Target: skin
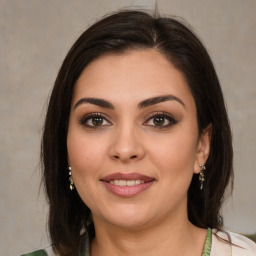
(128,140)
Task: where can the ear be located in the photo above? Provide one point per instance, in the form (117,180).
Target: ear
(203,148)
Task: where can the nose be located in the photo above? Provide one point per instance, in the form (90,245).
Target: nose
(127,145)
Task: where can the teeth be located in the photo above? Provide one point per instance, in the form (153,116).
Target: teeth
(130,182)
(126,182)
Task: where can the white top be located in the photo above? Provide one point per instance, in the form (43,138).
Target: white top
(241,246)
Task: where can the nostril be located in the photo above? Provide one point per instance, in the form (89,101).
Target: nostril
(131,157)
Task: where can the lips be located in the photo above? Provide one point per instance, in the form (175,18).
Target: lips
(127,185)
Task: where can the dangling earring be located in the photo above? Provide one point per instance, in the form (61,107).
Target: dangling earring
(201,176)
(71,186)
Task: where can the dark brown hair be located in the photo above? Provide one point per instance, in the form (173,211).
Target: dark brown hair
(115,34)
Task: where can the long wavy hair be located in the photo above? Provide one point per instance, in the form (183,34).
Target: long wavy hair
(116,34)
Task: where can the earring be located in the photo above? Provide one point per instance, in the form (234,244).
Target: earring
(201,176)
(71,186)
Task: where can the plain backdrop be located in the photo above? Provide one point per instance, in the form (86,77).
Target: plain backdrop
(35,36)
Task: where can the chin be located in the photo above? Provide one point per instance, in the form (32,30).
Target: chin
(127,217)
(130,223)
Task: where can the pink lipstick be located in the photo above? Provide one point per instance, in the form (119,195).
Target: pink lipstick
(127,185)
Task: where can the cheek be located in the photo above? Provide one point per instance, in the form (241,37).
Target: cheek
(86,159)
(175,156)
(86,154)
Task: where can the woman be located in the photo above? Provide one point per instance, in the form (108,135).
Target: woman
(136,150)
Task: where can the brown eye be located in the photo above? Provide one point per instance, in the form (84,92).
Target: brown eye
(94,120)
(159,120)
(97,121)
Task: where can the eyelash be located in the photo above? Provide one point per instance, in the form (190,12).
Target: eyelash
(166,116)
(85,119)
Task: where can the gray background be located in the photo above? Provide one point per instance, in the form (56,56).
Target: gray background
(36,35)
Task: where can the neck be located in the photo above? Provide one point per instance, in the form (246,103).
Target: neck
(170,237)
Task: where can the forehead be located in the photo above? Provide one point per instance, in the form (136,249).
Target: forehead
(135,75)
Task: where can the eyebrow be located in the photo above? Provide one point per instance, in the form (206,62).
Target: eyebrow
(159,99)
(145,103)
(99,102)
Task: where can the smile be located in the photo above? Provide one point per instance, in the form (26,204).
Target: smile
(127,185)
(126,182)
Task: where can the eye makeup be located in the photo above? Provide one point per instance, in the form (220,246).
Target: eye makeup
(160,120)
(156,120)
(94,120)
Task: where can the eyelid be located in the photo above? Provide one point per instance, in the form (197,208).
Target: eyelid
(166,115)
(86,117)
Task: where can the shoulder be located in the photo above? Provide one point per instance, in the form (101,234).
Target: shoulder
(240,245)
(45,252)
(48,251)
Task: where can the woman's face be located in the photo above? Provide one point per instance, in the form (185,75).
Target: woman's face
(133,141)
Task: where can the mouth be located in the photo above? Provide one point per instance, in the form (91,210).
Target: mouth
(123,183)
(127,185)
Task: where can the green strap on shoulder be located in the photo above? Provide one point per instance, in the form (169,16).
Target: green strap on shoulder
(208,243)
(36,253)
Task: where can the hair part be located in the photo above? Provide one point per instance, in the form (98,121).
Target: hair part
(116,34)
